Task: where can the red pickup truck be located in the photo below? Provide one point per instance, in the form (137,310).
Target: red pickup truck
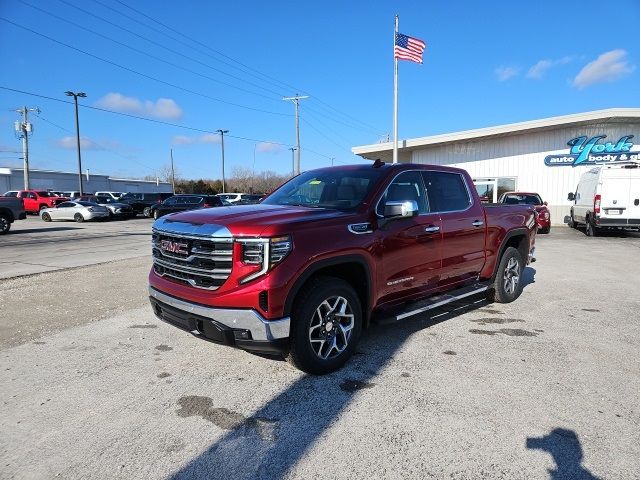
(303,272)
(36,200)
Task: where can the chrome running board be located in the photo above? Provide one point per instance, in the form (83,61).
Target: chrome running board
(440,300)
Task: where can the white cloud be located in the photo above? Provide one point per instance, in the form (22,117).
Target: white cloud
(164,108)
(505,73)
(70,143)
(268,147)
(539,69)
(608,67)
(190,140)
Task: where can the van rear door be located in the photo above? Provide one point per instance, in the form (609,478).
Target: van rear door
(633,210)
(614,192)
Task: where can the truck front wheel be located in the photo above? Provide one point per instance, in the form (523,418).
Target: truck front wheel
(507,285)
(5,224)
(326,322)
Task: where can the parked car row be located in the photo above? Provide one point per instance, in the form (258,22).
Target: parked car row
(103,205)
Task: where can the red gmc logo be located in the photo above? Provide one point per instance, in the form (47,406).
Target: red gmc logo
(174,247)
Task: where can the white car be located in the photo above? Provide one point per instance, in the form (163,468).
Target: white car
(77,211)
(114,195)
(607,196)
(231,197)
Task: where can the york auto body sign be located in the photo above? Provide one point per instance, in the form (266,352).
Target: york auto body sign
(594,150)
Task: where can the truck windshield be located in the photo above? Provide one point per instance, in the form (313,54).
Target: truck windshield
(336,189)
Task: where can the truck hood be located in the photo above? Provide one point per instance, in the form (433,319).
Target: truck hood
(251,220)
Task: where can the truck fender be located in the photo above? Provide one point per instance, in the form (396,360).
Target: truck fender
(332,262)
(503,246)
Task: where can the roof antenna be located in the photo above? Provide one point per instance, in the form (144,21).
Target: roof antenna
(378,163)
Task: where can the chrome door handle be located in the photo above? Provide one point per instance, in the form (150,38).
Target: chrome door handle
(432,229)
(478,223)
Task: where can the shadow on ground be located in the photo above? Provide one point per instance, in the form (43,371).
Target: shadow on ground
(565,449)
(273,440)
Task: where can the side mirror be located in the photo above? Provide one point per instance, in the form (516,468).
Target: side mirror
(571,196)
(393,209)
(545,203)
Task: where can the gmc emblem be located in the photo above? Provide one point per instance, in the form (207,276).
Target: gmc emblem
(174,247)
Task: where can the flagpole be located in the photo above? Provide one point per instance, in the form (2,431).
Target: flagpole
(395,97)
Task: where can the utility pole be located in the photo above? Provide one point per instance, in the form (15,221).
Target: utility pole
(173,175)
(296,103)
(222,132)
(23,130)
(75,101)
(332,159)
(293,161)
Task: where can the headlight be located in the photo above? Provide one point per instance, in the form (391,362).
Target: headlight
(91,209)
(264,252)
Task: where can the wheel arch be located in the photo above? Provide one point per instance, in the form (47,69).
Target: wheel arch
(7,213)
(354,269)
(517,238)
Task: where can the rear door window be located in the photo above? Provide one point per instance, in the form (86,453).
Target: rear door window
(447,192)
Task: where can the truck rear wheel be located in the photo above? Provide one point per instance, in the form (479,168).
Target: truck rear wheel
(326,322)
(591,230)
(507,285)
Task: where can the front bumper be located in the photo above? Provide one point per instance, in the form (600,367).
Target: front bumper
(243,328)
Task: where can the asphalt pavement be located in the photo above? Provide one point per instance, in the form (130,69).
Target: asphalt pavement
(545,387)
(36,246)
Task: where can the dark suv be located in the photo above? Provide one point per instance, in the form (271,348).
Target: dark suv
(180,203)
(142,202)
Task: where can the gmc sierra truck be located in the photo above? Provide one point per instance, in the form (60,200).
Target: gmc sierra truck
(303,272)
(11,209)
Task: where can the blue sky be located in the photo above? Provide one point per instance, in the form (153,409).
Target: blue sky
(484,65)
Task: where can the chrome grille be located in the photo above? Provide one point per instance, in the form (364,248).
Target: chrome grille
(202,262)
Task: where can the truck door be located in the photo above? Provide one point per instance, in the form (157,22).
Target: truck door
(30,201)
(463,228)
(410,246)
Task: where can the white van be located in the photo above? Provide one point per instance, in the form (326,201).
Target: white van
(607,196)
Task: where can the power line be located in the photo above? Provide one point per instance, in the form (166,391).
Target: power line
(147,54)
(245,69)
(142,74)
(164,47)
(104,147)
(161,122)
(325,136)
(327,106)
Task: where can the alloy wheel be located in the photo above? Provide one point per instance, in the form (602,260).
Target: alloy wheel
(511,276)
(331,327)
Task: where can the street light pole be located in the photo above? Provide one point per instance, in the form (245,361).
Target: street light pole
(75,100)
(222,132)
(293,161)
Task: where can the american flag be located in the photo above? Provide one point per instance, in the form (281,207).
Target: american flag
(408,48)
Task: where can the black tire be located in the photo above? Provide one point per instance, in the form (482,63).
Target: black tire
(545,230)
(5,224)
(505,289)
(146,212)
(591,230)
(42,207)
(46,217)
(78,218)
(313,326)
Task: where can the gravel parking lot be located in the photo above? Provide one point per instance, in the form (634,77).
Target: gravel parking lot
(94,386)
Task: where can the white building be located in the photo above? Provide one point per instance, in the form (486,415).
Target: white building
(13,179)
(545,156)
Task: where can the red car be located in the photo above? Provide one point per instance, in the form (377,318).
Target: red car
(36,200)
(527,198)
(304,271)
